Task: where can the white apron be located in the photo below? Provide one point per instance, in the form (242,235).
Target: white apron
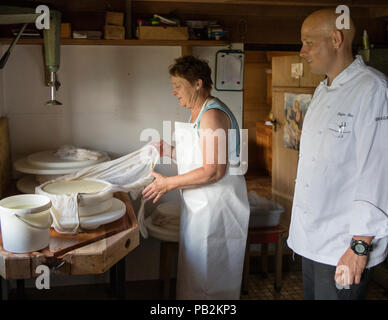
(213,230)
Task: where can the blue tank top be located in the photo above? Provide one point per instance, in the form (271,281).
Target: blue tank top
(233,135)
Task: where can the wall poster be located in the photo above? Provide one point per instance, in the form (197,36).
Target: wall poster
(295,107)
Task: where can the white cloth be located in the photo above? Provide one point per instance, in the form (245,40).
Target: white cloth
(341,187)
(130,173)
(213,231)
(69,152)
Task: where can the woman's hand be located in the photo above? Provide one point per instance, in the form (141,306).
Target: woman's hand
(165,150)
(157,188)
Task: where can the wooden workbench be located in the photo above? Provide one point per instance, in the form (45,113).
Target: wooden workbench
(94,258)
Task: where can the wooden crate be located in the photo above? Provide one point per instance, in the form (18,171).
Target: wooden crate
(114,18)
(162,33)
(65,31)
(114,32)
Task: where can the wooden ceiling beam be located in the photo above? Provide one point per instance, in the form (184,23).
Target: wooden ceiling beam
(378,12)
(320,3)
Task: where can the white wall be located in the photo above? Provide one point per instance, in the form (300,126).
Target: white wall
(109,95)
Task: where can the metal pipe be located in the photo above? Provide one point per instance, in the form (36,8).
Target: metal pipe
(52,83)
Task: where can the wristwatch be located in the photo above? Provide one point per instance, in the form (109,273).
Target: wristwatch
(360,247)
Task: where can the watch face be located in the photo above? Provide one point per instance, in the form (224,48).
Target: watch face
(359,248)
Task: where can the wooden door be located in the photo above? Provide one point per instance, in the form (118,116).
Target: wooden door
(256,108)
(264,143)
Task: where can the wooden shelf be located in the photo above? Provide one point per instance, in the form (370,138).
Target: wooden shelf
(128,42)
(320,3)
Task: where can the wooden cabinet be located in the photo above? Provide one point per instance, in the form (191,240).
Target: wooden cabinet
(282,73)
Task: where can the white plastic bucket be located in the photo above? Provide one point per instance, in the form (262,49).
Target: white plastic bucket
(25,222)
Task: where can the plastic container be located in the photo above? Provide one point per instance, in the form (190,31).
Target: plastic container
(25,222)
(264,212)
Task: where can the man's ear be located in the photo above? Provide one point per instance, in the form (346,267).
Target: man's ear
(337,38)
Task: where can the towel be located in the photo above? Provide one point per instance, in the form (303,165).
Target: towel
(69,152)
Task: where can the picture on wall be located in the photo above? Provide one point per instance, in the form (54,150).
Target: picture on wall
(295,107)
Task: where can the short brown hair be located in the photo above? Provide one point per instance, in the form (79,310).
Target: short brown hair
(192,69)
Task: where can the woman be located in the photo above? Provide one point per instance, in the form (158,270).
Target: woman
(215,210)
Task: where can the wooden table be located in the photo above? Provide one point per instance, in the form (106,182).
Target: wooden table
(95,258)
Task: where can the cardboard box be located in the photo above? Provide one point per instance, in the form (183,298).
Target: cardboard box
(114,18)
(162,33)
(114,32)
(65,30)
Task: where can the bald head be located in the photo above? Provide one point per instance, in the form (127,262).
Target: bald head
(323,22)
(326,48)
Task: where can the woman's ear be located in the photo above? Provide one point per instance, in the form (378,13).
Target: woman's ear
(199,84)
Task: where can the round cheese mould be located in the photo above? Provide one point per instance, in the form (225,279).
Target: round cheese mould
(95,196)
(46,163)
(49,160)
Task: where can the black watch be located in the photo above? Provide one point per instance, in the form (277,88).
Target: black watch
(360,247)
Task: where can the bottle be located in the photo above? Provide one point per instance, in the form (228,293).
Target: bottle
(365,40)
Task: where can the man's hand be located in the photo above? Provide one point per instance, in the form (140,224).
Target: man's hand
(350,268)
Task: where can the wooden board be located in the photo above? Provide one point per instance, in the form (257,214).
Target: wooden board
(62,243)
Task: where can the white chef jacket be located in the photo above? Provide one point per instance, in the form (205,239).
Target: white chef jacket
(342,182)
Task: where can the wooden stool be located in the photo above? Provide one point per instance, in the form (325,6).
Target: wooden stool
(264,236)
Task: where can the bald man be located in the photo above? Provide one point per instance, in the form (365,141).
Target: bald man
(339,222)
